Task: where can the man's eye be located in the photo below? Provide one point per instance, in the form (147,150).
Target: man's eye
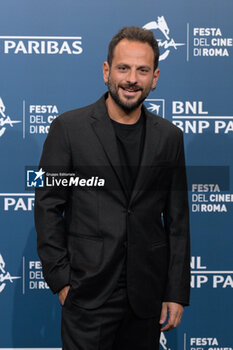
(144,70)
(122,68)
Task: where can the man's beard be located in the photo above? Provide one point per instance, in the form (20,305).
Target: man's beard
(127,106)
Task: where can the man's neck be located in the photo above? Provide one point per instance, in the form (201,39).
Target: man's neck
(116,113)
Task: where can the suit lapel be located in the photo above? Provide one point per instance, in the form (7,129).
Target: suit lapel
(152,139)
(104,130)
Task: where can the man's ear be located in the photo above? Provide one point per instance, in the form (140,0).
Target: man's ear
(155,78)
(106,70)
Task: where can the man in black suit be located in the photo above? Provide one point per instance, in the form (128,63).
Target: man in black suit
(117,255)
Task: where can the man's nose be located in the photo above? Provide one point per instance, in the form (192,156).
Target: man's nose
(132,76)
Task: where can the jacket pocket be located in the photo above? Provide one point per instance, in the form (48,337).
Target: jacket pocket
(81,235)
(67,297)
(86,252)
(158,244)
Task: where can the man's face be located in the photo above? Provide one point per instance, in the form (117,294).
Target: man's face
(131,75)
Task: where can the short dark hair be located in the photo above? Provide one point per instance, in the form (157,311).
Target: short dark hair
(134,33)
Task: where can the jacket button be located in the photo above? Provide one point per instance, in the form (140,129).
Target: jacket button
(125,243)
(130,211)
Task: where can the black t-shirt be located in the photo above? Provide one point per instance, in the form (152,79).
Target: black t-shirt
(130,142)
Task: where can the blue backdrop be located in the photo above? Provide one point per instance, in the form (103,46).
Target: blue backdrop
(51,56)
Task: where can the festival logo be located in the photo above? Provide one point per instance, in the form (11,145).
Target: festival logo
(163,342)
(5,120)
(38,117)
(5,276)
(211,42)
(207,343)
(165,41)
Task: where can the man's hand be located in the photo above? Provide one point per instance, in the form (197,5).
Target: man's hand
(175,312)
(63,294)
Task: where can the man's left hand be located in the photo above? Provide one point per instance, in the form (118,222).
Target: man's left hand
(174,311)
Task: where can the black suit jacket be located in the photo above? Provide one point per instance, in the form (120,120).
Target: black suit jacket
(82,231)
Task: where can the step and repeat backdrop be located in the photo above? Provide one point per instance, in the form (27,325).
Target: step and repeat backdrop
(51,56)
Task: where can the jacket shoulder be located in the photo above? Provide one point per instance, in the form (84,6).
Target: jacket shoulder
(76,115)
(165,125)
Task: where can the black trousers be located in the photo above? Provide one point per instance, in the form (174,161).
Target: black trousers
(113,326)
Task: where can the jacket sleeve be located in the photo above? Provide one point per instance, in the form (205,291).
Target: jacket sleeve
(176,221)
(50,204)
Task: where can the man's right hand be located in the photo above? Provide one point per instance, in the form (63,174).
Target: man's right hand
(63,294)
